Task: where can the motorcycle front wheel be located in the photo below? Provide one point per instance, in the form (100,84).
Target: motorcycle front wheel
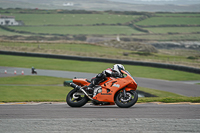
(76,99)
(128,101)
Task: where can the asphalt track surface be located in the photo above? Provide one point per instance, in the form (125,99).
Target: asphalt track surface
(59,117)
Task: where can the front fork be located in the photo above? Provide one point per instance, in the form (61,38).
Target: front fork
(124,93)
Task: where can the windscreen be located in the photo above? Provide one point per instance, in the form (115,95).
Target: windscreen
(131,76)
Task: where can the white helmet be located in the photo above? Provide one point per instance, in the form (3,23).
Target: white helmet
(118,68)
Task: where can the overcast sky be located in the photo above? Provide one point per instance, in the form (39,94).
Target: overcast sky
(160,2)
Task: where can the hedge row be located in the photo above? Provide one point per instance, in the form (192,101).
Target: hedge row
(140,29)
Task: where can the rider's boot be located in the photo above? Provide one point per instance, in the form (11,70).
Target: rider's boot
(90,88)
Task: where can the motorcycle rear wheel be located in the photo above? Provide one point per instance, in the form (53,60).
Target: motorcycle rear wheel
(76,102)
(130,100)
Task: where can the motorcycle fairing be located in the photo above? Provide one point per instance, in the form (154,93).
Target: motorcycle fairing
(113,86)
(81,82)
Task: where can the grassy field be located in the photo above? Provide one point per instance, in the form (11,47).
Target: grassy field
(8,33)
(178,14)
(91,50)
(101,30)
(168,37)
(169,21)
(31,80)
(72,19)
(58,94)
(30,93)
(52,22)
(166,97)
(33,88)
(93,67)
(67,48)
(174,30)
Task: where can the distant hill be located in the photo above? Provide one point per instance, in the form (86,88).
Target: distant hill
(102,5)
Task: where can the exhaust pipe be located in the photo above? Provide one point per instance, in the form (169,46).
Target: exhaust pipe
(75,86)
(80,88)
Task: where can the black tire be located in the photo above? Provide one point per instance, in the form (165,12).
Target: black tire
(125,103)
(82,100)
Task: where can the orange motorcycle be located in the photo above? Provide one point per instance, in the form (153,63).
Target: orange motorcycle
(120,91)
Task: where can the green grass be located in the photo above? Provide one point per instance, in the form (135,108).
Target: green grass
(174,29)
(57,22)
(92,50)
(32,93)
(166,97)
(31,80)
(79,30)
(169,99)
(8,33)
(17,93)
(58,94)
(168,37)
(93,67)
(67,48)
(72,19)
(169,21)
(179,14)
(158,93)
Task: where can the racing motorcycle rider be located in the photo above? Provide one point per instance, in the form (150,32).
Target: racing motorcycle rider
(110,72)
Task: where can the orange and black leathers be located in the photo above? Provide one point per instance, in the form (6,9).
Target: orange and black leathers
(103,76)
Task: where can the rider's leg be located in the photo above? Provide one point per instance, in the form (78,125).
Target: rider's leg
(90,87)
(99,78)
